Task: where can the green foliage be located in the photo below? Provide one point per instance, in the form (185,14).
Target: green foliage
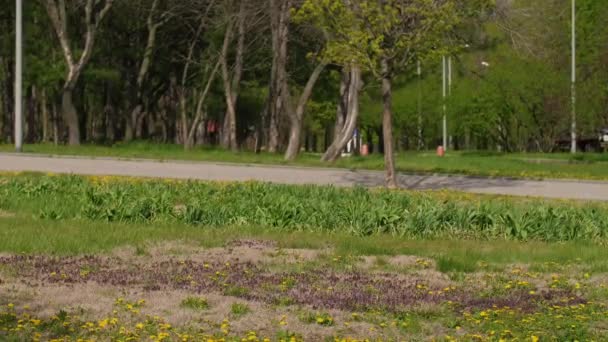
(447,264)
(360,212)
(322,319)
(236,291)
(195,303)
(239,309)
(367,32)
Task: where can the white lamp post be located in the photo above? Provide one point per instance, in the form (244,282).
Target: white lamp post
(18,75)
(447,90)
(573,83)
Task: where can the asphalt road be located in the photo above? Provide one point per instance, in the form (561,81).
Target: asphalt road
(581,190)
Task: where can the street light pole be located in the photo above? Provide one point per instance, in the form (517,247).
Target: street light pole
(445,94)
(449,94)
(420,122)
(573,83)
(18,75)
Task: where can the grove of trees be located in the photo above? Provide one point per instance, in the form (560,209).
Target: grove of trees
(289,75)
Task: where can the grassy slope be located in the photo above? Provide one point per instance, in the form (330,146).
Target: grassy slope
(490,264)
(24,234)
(588,166)
(25,198)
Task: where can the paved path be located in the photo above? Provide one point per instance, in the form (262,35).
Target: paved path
(300,175)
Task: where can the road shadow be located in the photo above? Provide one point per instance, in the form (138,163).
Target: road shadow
(429,182)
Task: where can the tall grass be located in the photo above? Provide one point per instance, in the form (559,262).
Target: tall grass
(358,212)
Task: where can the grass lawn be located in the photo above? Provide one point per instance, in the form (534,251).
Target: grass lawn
(106,258)
(176,283)
(559,165)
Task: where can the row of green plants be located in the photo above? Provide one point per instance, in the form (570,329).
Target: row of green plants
(357,211)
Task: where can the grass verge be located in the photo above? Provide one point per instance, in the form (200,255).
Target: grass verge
(143,259)
(286,208)
(32,236)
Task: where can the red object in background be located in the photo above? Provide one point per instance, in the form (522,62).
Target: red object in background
(211,126)
(440,151)
(364,150)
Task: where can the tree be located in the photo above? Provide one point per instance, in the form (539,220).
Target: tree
(232,82)
(383,37)
(156,18)
(278,89)
(296,115)
(347,112)
(94,13)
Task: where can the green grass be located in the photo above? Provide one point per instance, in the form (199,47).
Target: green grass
(33,236)
(195,303)
(285,208)
(239,309)
(72,215)
(519,165)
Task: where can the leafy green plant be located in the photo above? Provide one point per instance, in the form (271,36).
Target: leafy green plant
(236,291)
(359,211)
(239,309)
(195,303)
(323,319)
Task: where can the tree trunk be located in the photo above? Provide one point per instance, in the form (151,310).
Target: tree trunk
(45,116)
(279,90)
(131,123)
(94,13)
(32,113)
(273,125)
(297,116)
(55,124)
(229,125)
(342,110)
(387,126)
(135,119)
(350,101)
(3,100)
(70,117)
(295,137)
(200,111)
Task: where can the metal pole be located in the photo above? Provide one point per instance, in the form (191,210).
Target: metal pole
(573,84)
(18,76)
(449,75)
(445,94)
(420,138)
(449,93)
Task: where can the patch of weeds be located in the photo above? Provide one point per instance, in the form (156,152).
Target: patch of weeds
(339,262)
(283,301)
(195,303)
(381,262)
(447,264)
(239,309)
(422,263)
(286,335)
(141,251)
(59,325)
(9,271)
(129,306)
(86,270)
(323,319)
(547,267)
(287,284)
(236,291)
(50,214)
